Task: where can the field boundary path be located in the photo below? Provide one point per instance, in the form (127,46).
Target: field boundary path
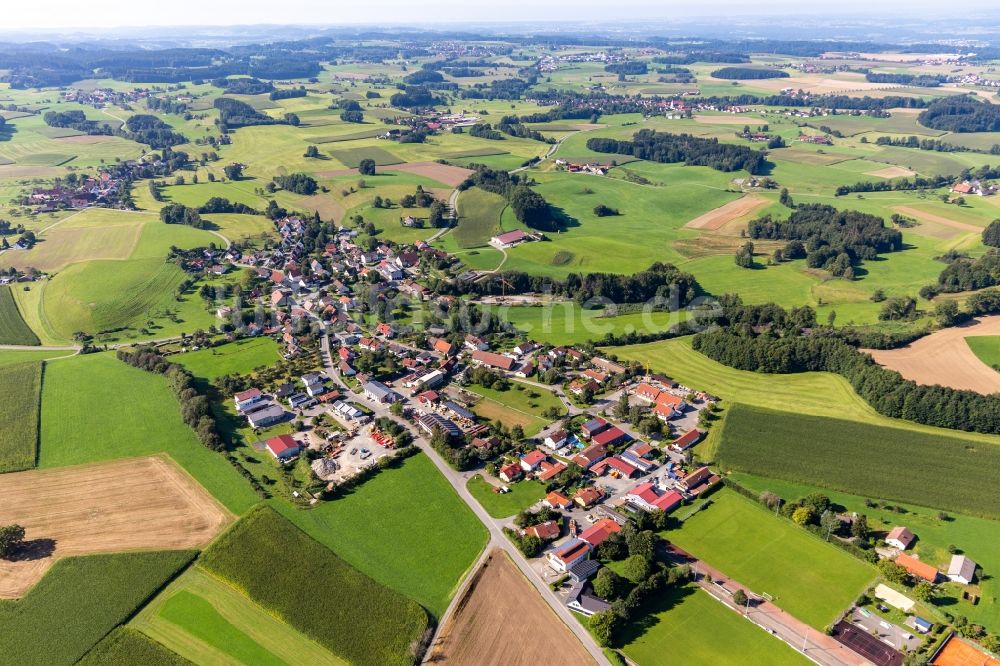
(811,643)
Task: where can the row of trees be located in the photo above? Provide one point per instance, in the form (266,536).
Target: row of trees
(774,343)
(691,150)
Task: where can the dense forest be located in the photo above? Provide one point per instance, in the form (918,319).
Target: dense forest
(243,86)
(919,80)
(691,150)
(234,113)
(633,67)
(965,274)
(414,96)
(769,339)
(961,114)
(529,206)
(830,239)
(144,128)
(749,73)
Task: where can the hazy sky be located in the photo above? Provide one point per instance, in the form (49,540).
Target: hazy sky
(69,14)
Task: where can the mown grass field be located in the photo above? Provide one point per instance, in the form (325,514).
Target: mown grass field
(521,403)
(500,505)
(709,632)
(13,329)
(79,601)
(812,580)
(95,408)
(930,470)
(128,646)
(205,620)
(986,348)
(240,357)
(812,393)
(478,217)
(406,528)
(978,538)
(15,357)
(351,157)
(19,414)
(318,594)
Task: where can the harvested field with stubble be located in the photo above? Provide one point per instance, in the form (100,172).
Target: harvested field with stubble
(714,220)
(442,173)
(924,216)
(133,504)
(491,620)
(891,172)
(945,358)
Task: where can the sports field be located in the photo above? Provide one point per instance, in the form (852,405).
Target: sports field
(941,471)
(19,415)
(240,357)
(521,403)
(812,580)
(132,504)
(96,408)
(709,632)
(205,620)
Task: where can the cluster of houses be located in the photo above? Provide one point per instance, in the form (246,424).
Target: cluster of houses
(101,97)
(595,169)
(975,188)
(100,190)
(961,569)
(816,139)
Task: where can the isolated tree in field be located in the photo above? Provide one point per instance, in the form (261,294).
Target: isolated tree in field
(312,151)
(744,256)
(786,198)
(11,537)
(233,171)
(740,598)
(991,234)
(366,167)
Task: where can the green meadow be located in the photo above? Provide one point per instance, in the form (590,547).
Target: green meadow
(522,495)
(986,348)
(19,414)
(240,357)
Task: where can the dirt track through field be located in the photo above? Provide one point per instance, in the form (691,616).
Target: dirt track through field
(133,504)
(443,173)
(924,216)
(502,620)
(715,219)
(945,358)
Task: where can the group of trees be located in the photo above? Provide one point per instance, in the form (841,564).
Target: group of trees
(11,538)
(76,120)
(832,239)
(223,205)
(415,96)
(917,80)
(177,213)
(691,150)
(965,274)
(144,128)
(196,410)
(923,144)
(961,113)
(243,86)
(633,67)
(233,113)
(299,183)
(748,73)
(769,339)
(288,93)
(656,282)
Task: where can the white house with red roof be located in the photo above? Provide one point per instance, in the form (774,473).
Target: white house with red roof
(283,447)
(570,553)
(648,497)
(248,398)
(599,531)
(531,461)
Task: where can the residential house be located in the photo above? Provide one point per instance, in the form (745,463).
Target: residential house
(531,461)
(610,436)
(546,531)
(556,500)
(648,497)
(687,440)
(900,537)
(246,399)
(697,481)
(475,343)
(961,569)
(593,426)
(588,497)
(580,599)
(608,366)
(557,439)
(443,347)
(590,455)
(616,467)
(581,386)
(510,472)
(549,470)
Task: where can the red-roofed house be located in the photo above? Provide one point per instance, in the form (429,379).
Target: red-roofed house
(599,531)
(492,360)
(564,557)
(247,399)
(647,497)
(510,472)
(623,468)
(590,455)
(531,461)
(900,537)
(687,440)
(545,531)
(610,437)
(917,568)
(442,346)
(556,500)
(283,447)
(588,497)
(509,239)
(647,392)
(549,470)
